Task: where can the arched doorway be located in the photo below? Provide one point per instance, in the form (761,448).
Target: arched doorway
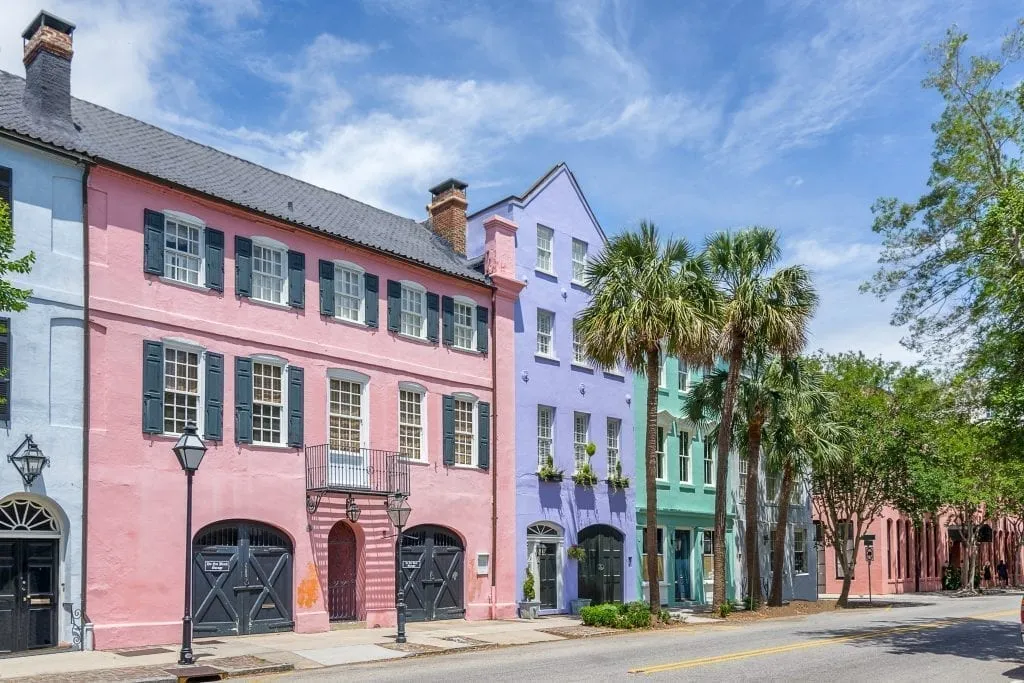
(600,571)
(341,573)
(432,560)
(29,574)
(544,555)
(241,579)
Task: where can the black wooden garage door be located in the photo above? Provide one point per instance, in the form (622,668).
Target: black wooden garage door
(432,566)
(241,580)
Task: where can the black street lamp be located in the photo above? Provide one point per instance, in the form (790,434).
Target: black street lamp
(398,513)
(190,450)
(29,460)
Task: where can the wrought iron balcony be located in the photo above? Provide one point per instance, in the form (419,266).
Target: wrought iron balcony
(367,471)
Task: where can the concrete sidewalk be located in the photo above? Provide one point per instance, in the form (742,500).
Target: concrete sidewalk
(252,655)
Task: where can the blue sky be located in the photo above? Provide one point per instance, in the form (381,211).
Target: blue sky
(700,115)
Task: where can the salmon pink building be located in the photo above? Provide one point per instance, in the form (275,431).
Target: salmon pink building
(331,355)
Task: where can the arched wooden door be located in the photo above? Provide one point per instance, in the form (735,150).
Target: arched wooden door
(600,571)
(241,579)
(432,560)
(29,575)
(341,573)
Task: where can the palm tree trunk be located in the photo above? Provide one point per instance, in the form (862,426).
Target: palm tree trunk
(722,470)
(651,460)
(750,545)
(779,546)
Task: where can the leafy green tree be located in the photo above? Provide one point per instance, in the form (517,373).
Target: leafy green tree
(11,297)
(760,305)
(646,291)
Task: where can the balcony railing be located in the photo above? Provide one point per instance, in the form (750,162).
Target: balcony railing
(367,471)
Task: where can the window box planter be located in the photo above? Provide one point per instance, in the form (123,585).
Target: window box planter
(585,477)
(618,483)
(549,473)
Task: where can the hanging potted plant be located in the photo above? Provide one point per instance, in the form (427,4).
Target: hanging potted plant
(617,482)
(576,552)
(585,475)
(528,608)
(548,472)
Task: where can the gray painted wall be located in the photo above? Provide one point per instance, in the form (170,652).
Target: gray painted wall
(48,350)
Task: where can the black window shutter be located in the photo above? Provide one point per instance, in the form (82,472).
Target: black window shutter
(243,400)
(448,423)
(215,259)
(295,398)
(483,418)
(371,296)
(326,288)
(394,305)
(152,387)
(482,318)
(296,279)
(447,320)
(213,422)
(153,228)
(5,369)
(5,187)
(433,303)
(243,266)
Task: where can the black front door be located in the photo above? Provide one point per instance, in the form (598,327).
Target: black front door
(547,574)
(600,571)
(28,594)
(432,568)
(241,580)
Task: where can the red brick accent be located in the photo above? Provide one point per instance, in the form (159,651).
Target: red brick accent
(448,217)
(51,40)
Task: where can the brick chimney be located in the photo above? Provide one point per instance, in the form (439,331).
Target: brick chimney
(48,68)
(447,211)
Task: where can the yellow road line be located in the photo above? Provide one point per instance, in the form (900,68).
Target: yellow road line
(835,640)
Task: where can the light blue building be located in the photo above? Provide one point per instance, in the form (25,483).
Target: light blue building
(42,372)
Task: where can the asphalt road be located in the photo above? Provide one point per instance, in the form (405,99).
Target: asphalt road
(925,638)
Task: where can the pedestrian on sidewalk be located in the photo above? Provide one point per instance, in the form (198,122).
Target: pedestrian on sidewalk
(1002,573)
(988,575)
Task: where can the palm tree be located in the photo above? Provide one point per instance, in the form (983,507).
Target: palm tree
(803,434)
(646,292)
(759,306)
(759,394)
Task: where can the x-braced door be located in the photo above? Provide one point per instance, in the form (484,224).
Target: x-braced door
(432,561)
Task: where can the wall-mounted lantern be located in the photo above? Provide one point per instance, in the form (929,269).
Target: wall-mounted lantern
(29,460)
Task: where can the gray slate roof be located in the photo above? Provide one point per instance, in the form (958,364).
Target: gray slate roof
(105,135)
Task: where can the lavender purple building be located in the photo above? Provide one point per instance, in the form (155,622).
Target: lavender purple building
(562,405)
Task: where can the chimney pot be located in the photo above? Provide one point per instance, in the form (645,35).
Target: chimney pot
(447,210)
(48,52)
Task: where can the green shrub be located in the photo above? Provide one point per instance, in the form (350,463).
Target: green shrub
(951,578)
(529,591)
(634,615)
(725,609)
(664,616)
(600,615)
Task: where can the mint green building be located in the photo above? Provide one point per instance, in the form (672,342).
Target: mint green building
(686,494)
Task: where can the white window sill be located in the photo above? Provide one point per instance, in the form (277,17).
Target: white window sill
(578,283)
(167,435)
(544,356)
(419,340)
(614,373)
(462,349)
(457,466)
(187,285)
(268,304)
(416,461)
(583,366)
(710,486)
(271,446)
(346,321)
(548,273)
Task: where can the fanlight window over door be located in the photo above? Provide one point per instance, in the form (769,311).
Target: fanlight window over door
(543,530)
(19,514)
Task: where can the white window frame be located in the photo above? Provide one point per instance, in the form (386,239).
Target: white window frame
(800,548)
(796,493)
(742,472)
(273,245)
(579,449)
(550,336)
(772,486)
(682,374)
(346,375)
(187,221)
(580,264)
(662,368)
(687,456)
(340,267)
(662,434)
(533,540)
(464,301)
(475,437)
(710,457)
(410,286)
(542,457)
(613,447)
(200,352)
(578,357)
(662,555)
(421,391)
(278,362)
(550,250)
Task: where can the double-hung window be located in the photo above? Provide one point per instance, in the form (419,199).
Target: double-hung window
(465,327)
(267,403)
(465,432)
(346,415)
(796,494)
(660,541)
(683,375)
(710,444)
(579,261)
(661,454)
(545,249)
(743,479)
(545,333)
(614,438)
(800,551)
(684,457)
(580,438)
(545,435)
(268,272)
(414,310)
(348,293)
(410,423)
(181,388)
(183,250)
(662,369)
(772,486)
(709,542)
(578,356)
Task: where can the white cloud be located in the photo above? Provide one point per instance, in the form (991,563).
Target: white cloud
(819,255)
(794,181)
(229,13)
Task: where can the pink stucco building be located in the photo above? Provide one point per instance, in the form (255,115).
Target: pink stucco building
(330,354)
